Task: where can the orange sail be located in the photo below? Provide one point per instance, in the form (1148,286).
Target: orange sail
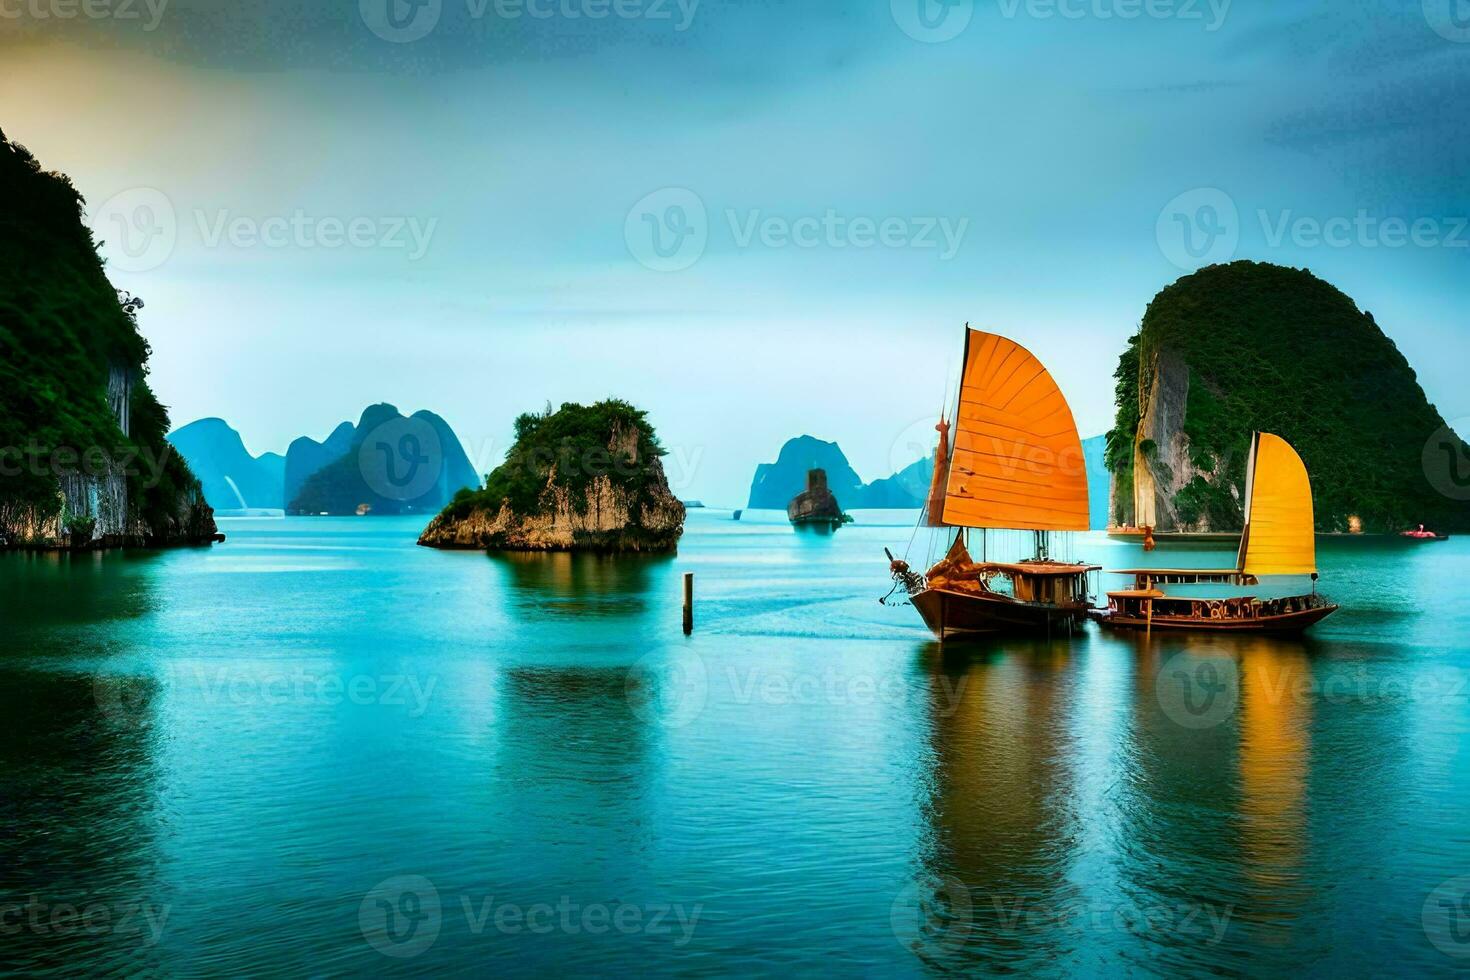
(1279,536)
(1017,460)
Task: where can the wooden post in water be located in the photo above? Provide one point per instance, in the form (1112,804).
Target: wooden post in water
(688,603)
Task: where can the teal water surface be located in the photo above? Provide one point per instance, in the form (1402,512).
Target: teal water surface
(317,749)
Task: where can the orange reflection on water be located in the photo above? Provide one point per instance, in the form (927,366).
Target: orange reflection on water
(1275,712)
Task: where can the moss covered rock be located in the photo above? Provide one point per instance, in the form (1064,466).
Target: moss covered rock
(1249,346)
(581,478)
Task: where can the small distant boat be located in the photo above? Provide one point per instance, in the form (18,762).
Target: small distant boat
(1279,539)
(1422,534)
(1016,464)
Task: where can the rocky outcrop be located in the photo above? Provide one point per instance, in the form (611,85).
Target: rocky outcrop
(620,501)
(93,512)
(1162,465)
(83,459)
(816,504)
(1249,346)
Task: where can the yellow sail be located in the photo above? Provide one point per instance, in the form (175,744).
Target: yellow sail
(1017,459)
(1279,536)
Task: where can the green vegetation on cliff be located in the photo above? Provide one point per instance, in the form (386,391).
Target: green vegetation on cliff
(569,448)
(63,332)
(1275,349)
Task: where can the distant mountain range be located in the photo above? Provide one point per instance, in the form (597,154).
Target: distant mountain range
(232,478)
(385,464)
(776,483)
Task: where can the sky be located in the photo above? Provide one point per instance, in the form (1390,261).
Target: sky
(755,219)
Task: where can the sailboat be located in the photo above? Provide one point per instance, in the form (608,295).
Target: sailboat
(1016,464)
(1279,539)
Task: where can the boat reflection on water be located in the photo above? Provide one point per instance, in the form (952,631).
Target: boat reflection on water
(1274,742)
(1126,798)
(1001,833)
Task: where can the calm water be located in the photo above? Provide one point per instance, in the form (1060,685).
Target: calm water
(318,749)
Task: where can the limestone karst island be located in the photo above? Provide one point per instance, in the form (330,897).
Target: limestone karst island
(725,488)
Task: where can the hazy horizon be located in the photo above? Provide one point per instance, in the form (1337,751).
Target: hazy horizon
(455,209)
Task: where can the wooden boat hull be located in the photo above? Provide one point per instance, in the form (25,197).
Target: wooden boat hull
(1292,622)
(958,614)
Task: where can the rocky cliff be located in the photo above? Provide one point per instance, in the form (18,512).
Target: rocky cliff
(1249,346)
(83,459)
(583,478)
